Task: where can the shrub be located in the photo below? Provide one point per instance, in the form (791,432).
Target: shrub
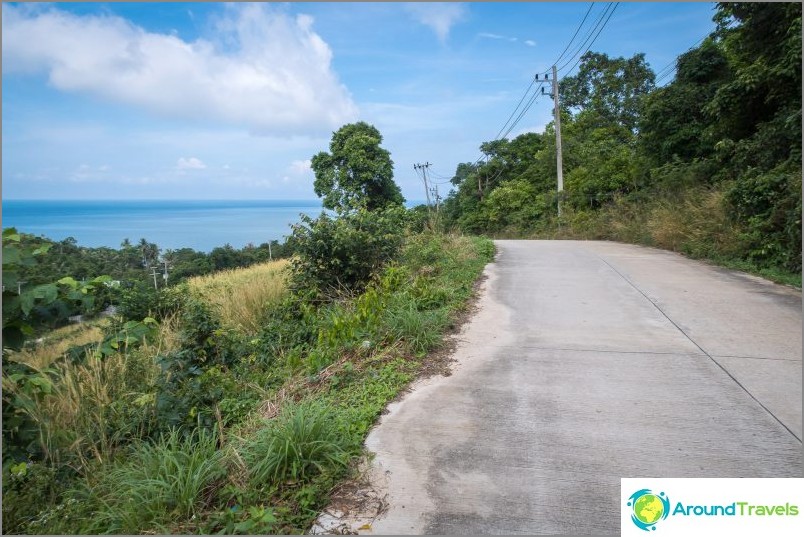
(340,255)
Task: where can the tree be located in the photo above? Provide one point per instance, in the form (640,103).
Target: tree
(609,89)
(357,172)
(673,122)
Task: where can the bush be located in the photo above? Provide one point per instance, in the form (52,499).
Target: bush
(340,255)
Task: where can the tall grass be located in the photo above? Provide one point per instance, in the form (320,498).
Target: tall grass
(240,297)
(41,354)
(302,441)
(159,484)
(94,407)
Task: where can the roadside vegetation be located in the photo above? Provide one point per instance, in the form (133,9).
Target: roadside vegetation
(242,398)
(708,165)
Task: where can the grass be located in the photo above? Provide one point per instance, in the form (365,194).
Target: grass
(95,407)
(158,484)
(329,377)
(303,440)
(240,297)
(694,222)
(55,344)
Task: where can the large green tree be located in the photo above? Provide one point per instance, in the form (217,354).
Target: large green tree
(357,172)
(609,90)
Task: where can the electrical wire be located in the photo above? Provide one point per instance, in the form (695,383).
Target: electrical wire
(591,5)
(670,68)
(577,52)
(613,9)
(533,81)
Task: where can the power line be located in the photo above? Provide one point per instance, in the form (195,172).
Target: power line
(670,68)
(613,9)
(591,5)
(589,34)
(533,81)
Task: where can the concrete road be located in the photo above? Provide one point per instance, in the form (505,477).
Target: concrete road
(588,362)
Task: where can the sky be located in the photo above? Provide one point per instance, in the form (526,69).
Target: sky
(230,101)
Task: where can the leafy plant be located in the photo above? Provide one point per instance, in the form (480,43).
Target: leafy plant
(336,256)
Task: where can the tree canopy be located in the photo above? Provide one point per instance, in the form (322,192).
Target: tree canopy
(357,172)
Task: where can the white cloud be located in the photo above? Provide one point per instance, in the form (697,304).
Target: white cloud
(266,70)
(530,43)
(440,16)
(85,173)
(191,163)
(490,35)
(300,167)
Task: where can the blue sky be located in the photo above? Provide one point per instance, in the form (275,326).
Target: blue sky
(230,101)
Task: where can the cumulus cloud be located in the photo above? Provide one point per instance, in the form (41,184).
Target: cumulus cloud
(300,167)
(265,70)
(440,16)
(191,163)
(530,42)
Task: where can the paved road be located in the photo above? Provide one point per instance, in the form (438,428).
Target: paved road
(588,362)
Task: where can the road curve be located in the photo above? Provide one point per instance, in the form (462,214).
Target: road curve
(588,362)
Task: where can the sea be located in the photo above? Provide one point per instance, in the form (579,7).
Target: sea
(200,225)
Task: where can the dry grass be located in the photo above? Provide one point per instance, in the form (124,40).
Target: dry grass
(85,416)
(57,342)
(239,297)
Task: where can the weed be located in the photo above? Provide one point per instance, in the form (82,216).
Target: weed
(302,441)
(159,483)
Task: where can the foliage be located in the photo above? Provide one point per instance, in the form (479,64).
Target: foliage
(357,173)
(728,127)
(337,255)
(609,89)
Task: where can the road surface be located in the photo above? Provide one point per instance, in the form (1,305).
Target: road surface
(588,362)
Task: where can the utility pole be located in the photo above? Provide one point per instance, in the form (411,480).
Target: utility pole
(154,275)
(423,168)
(165,275)
(559,164)
(270,255)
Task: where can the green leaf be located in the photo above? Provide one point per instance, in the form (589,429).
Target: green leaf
(47,292)
(42,249)
(69,281)
(11,255)
(26,303)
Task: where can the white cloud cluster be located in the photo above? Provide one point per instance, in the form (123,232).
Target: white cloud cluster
(266,70)
(489,35)
(191,163)
(440,16)
(301,167)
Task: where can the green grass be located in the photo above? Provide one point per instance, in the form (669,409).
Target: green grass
(330,370)
(303,440)
(157,485)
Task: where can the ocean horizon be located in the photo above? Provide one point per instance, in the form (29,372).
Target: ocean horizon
(171,224)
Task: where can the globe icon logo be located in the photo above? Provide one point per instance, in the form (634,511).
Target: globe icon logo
(648,508)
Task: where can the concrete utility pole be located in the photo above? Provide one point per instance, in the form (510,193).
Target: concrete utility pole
(154,275)
(423,168)
(559,164)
